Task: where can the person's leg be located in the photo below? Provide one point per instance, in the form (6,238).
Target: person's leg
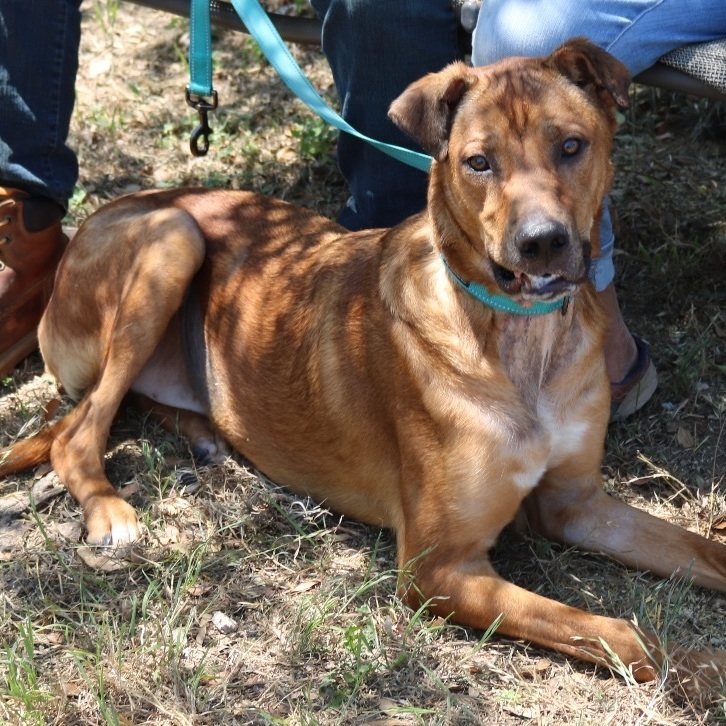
(39,42)
(376,48)
(636,32)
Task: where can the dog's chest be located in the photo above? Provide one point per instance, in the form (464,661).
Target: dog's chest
(535,350)
(541,357)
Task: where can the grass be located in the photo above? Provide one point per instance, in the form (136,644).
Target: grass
(321,636)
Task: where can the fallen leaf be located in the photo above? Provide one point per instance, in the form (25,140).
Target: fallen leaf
(286,155)
(720,524)
(522,712)
(173,505)
(305,585)
(49,637)
(128,491)
(183,547)
(51,409)
(42,469)
(71,690)
(198,590)
(685,438)
(99,66)
(169,535)
(96,559)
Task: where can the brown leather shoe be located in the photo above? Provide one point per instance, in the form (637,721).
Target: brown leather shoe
(31,245)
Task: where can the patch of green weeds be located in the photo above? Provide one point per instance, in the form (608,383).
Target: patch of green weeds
(91,669)
(105,13)
(21,685)
(110,120)
(155,458)
(316,138)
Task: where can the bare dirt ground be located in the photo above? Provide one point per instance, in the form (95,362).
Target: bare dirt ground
(249,605)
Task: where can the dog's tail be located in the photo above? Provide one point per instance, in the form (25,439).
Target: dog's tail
(30,452)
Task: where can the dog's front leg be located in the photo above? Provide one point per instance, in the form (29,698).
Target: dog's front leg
(459,582)
(478,596)
(571,507)
(453,515)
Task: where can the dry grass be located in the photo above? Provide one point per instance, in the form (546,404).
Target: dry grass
(250,605)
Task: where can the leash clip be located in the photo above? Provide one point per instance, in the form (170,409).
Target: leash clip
(203,106)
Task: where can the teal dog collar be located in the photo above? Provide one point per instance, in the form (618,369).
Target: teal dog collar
(505,303)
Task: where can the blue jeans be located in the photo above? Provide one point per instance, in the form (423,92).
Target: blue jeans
(636,32)
(375,49)
(39,42)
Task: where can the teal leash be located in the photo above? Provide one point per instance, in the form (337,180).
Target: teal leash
(200,49)
(272,45)
(503,302)
(199,93)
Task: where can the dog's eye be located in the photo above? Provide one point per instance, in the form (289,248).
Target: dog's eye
(571,147)
(478,162)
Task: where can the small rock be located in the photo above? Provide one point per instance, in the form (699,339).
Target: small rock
(224,623)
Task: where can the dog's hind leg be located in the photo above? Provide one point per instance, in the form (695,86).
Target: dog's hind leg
(207,446)
(122,281)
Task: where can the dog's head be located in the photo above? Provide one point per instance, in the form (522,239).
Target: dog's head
(521,164)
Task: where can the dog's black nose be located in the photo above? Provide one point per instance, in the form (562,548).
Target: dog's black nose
(542,239)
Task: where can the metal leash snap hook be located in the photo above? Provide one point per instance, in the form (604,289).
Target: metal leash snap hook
(203,130)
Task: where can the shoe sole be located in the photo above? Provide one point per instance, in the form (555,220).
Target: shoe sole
(637,396)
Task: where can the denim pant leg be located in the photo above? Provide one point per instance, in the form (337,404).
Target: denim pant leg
(376,48)
(39,42)
(637,32)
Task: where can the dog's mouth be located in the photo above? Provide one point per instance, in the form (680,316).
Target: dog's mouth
(528,287)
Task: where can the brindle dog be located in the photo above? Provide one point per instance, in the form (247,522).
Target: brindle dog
(375,371)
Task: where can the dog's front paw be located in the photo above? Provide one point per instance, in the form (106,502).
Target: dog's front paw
(110,521)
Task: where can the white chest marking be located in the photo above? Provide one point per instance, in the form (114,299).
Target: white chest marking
(565,436)
(528,479)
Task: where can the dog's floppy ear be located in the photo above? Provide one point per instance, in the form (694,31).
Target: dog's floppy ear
(588,65)
(426,108)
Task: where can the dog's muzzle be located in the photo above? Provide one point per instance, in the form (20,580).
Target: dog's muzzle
(545,261)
